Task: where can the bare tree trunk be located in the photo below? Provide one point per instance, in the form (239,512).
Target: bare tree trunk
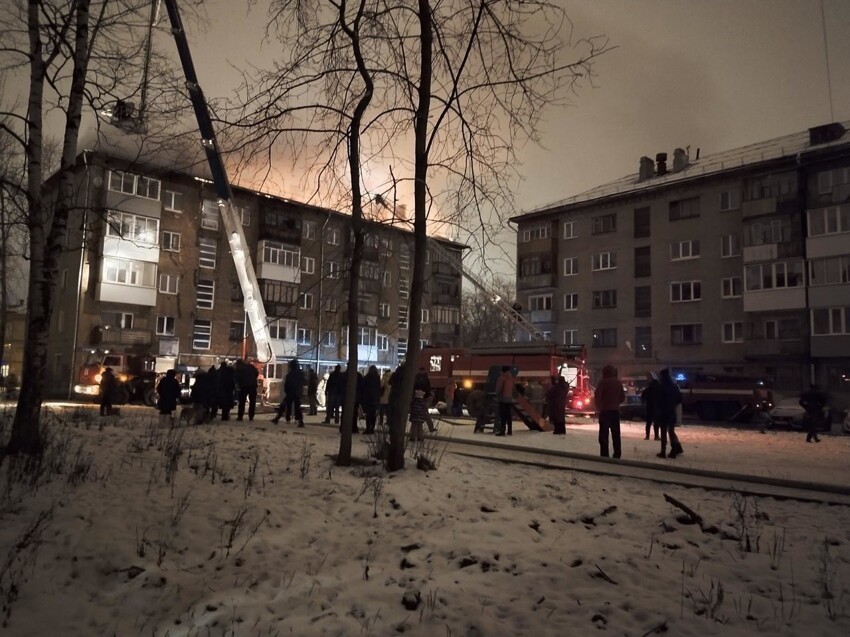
(46,230)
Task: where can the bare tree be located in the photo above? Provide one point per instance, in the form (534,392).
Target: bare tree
(480,322)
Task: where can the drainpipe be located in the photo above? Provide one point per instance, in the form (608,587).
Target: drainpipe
(83,242)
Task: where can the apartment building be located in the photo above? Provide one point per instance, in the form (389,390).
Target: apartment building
(146,271)
(734,263)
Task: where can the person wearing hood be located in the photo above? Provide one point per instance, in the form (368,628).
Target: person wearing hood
(649,397)
(293,389)
(609,395)
(669,398)
(108,385)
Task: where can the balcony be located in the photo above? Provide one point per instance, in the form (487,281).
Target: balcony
(445,329)
(288,232)
(281,310)
(536,281)
(371,253)
(766,348)
(369,286)
(758,207)
(772,300)
(106,335)
(452,300)
(772,251)
(444,269)
(540,316)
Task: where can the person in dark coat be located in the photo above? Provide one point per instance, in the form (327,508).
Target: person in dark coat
(423,383)
(167,396)
(246,375)
(293,390)
(200,393)
(108,385)
(226,389)
(370,397)
(669,398)
(312,391)
(211,399)
(609,395)
(334,390)
(649,397)
(556,404)
(813,400)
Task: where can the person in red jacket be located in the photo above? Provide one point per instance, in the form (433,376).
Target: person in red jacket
(609,395)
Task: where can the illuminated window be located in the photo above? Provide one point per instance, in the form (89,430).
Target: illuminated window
(130,227)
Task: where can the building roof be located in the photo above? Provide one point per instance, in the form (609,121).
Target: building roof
(785,147)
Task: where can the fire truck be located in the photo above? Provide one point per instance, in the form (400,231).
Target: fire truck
(536,363)
(135,377)
(719,397)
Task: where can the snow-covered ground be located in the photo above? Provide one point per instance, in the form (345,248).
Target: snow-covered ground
(250,529)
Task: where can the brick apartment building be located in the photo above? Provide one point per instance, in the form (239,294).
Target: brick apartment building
(146,271)
(735,263)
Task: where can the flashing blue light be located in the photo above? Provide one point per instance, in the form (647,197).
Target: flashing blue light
(680,377)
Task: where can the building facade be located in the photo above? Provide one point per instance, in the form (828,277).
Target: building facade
(736,263)
(146,271)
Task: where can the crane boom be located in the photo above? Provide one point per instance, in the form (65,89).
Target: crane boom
(236,237)
(503,306)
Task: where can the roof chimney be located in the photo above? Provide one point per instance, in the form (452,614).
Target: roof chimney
(661,164)
(680,160)
(647,168)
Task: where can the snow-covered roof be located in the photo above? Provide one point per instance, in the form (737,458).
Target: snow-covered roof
(786,146)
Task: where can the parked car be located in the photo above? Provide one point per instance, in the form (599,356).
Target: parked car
(633,409)
(788,413)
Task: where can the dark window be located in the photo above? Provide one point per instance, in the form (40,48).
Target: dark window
(605,337)
(643,261)
(236,293)
(689,334)
(643,301)
(237,330)
(643,342)
(684,209)
(604,299)
(642,223)
(604,224)
(279,292)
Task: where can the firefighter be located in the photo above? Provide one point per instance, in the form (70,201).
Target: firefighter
(107,391)
(609,395)
(813,401)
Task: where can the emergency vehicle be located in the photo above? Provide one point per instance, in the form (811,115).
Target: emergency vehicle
(720,397)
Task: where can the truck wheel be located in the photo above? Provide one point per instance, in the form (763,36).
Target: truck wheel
(475,403)
(122,396)
(150,397)
(706,411)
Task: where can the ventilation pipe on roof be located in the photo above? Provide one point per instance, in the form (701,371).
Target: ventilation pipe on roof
(661,164)
(680,159)
(647,168)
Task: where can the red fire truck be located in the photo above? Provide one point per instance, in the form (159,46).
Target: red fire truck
(536,364)
(720,397)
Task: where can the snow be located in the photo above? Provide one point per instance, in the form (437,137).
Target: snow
(253,530)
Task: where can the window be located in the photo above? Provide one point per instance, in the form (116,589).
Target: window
(404,257)
(236,331)
(570,337)
(730,200)
(329,338)
(832,320)
(686,334)
(209,215)
(730,287)
(730,246)
(829,220)
(402,318)
(278,254)
(126,272)
(829,271)
(604,299)
(683,291)
(201,334)
(130,227)
(643,301)
(330,303)
(171,241)
(606,337)
(446,315)
(244,213)
(642,223)
(765,232)
(643,342)
(308,265)
(306,301)
(383,343)
(643,261)
(278,292)
(305,336)
(388,279)
(332,236)
(205,294)
(604,261)
(282,329)
(236,295)
(332,269)
(366,336)
(403,287)
(369,271)
(425,316)
(570,302)
(688,249)
(172,201)
(401,349)
(570,266)
(684,209)
(540,302)
(825,182)
(207,249)
(782,329)
(570,230)
(168,283)
(131,184)
(604,224)
(769,276)
(535,233)
(386,247)
(532,266)
(733,332)
(384,310)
